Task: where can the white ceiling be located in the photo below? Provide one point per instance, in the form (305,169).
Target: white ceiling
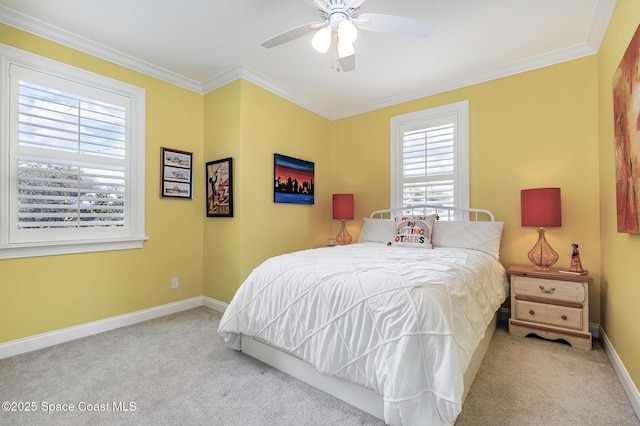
(204,44)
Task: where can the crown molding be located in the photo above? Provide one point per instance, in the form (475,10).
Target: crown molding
(233,73)
(601,15)
(221,79)
(529,64)
(69,39)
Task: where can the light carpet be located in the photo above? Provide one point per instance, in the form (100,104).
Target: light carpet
(176,370)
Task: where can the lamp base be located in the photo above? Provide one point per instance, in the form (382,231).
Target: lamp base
(542,255)
(343,236)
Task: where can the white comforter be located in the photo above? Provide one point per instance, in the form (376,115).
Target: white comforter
(401,321)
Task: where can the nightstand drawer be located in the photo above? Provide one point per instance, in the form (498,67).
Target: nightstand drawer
(563,316)
(559,316)
(564,291)
(531,312)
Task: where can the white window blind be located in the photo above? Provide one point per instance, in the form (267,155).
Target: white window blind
(428,165)
(429,157)
(71,160)
(72,172)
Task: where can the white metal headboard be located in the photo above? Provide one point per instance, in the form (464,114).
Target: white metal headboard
(443,212)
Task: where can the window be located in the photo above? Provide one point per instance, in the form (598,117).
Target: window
(73,160)
(430,157)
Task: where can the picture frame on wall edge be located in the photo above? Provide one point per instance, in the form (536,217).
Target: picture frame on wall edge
(219,184)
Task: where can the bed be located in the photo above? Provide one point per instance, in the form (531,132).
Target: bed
(396,324)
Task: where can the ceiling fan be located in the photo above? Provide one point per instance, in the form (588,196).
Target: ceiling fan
(340,20)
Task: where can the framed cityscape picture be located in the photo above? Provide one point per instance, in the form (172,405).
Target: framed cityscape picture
(219,184)
(176,169)
(294,180)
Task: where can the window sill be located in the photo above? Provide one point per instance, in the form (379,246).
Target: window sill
(16,251)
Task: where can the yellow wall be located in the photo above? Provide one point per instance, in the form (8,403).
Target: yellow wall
(250,124)
(47,293)
(222,137)
(620,293)
(529,130)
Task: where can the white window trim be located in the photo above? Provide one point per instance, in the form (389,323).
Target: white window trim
(461,168)
(9,55)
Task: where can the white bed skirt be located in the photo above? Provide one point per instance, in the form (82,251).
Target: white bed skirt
(360,397)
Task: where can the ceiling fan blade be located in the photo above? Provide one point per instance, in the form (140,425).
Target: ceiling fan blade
(391,24)
(320,5)
(348,63)
(292,34)
(354,4)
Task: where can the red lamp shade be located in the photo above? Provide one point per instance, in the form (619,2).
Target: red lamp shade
(343,206)
(540,207)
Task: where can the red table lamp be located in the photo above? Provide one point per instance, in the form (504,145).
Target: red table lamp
(343,210)
(540,207)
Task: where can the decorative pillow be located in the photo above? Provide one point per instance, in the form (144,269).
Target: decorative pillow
(377,230)
(483,236)
(414,231)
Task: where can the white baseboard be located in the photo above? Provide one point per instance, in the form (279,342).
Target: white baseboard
(214,304)
(40,341)
(627,384)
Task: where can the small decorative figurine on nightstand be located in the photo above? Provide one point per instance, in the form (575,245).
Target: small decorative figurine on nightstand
(576,264)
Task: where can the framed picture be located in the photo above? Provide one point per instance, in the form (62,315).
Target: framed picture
(293,180)
(176,169)
(626,89)
(220,188)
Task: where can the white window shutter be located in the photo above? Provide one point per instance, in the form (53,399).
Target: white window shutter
(428,166)
(72,164)
(429,157)
(71,160)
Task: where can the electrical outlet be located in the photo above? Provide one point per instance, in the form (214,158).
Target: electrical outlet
(175,282)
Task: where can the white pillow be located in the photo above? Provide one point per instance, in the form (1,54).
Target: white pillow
(414,231)
(483,236)
(377,230)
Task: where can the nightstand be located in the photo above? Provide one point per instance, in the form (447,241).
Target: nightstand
(550,304)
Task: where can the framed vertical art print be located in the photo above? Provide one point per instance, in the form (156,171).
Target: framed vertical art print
(294,180)
(219,175)
(176,169)
(626,110)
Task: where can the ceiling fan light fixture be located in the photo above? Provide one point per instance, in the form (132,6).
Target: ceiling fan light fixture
(322,40)
(345,49)
(347,32)
(339,25)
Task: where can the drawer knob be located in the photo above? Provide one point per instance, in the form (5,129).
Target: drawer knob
(564,317)
(531,312)
(544,290)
